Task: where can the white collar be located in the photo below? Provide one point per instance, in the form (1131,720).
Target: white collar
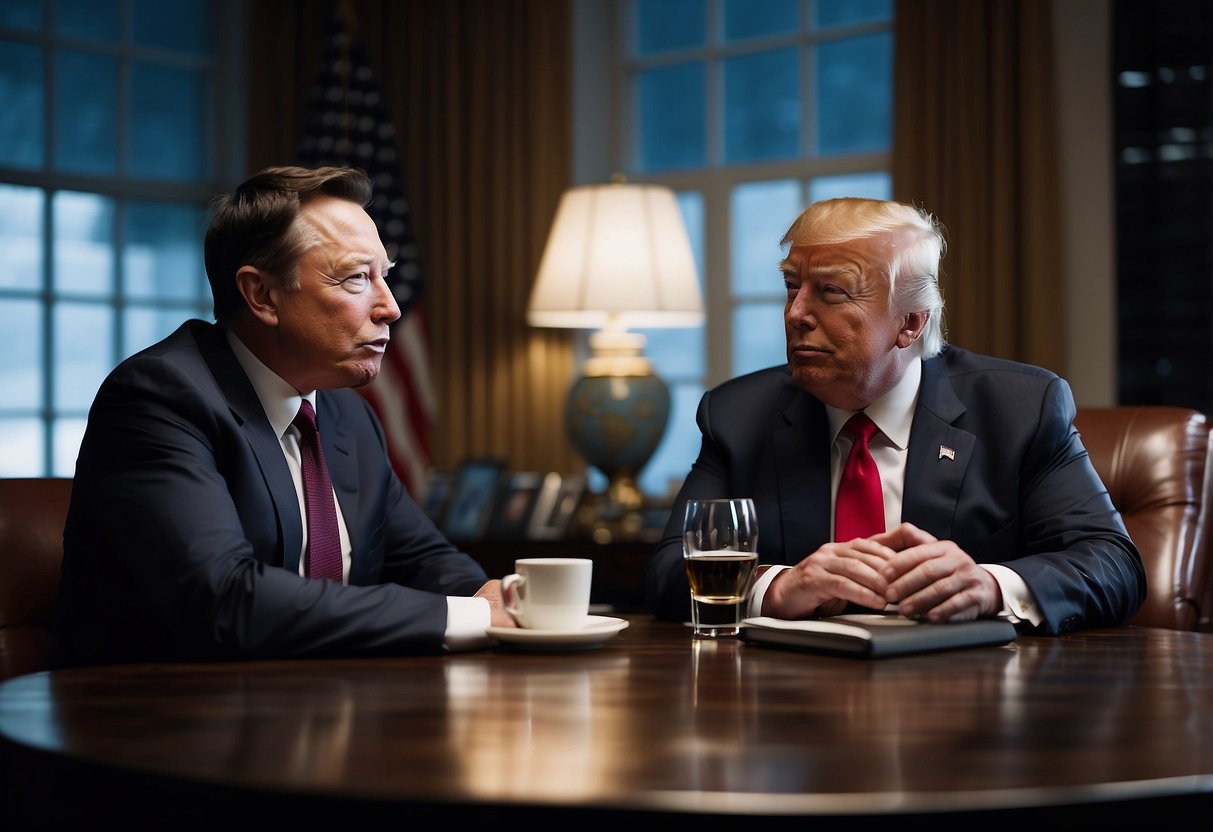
(893,412)
(279,399)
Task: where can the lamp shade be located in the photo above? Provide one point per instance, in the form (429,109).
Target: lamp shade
(617,254)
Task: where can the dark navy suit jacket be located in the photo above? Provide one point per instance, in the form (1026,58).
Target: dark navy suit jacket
(183,537)
(995,464)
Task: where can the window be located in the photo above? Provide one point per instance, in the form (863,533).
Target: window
(109,155)
(1163,95)
(749,110)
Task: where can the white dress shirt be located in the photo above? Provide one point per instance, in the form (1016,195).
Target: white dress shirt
(467,617)
(893,413)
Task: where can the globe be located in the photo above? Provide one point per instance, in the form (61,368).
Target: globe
(616,423)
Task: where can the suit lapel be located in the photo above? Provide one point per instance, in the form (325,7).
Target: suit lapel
(939,455)
(246,408)
(804,502)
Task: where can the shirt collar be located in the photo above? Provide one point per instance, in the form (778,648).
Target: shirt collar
(279,399)
(893,412)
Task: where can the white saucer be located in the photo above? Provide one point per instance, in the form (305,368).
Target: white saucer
(597,629)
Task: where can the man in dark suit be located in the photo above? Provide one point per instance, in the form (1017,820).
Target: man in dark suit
(991,506)
(187,536)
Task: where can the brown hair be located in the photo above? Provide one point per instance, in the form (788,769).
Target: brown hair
(255,226)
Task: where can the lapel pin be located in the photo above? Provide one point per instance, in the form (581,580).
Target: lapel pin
(944,450)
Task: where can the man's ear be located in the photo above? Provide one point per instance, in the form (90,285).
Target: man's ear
(260,292)
(912,328)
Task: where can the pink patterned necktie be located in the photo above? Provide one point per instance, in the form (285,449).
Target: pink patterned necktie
(323,539)
(859,506)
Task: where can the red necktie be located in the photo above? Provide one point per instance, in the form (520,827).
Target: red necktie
(859,506)
(323,539)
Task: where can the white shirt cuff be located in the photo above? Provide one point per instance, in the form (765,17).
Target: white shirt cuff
(759,590)
(1017,601)
(467,619)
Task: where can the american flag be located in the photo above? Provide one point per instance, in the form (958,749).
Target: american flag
(348,126)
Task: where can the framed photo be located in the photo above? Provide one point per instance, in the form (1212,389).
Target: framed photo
(559,498)
(438,493)
(653,522)
(472,499)
(515,503)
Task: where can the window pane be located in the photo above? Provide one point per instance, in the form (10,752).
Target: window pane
(873,185)
(691,205)
(762,106)
(21,345)
(21,237)
(854,98)
(168,115)
(21,14)
(83,334)
(761,213)
(162,257)
(183,25)
(679,446)
(672,111)
(67,434)
(84,243)
(827,13)
(96,19)
(22,116)
(747,19)
(21,444)
(758,337)
(662,25)
(86,99)
(675,352)
(144,327)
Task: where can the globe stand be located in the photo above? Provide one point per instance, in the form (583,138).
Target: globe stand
(616,415)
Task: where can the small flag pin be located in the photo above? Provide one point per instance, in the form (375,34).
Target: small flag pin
(944,450)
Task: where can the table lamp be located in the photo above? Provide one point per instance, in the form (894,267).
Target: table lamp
(618,256)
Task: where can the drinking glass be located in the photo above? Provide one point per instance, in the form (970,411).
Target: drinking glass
(720,550)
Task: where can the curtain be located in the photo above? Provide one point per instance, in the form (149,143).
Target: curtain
(479,94)
(975,143)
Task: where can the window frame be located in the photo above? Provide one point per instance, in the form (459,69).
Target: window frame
(604,136)
(224,114)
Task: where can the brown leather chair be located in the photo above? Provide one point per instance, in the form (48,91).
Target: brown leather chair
(32,514)
(1155,462)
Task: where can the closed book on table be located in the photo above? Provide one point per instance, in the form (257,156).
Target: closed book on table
(875,635)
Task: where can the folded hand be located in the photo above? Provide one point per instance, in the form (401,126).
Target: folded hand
(935,579)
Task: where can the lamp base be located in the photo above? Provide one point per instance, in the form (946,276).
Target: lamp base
(616,415)
(610,519)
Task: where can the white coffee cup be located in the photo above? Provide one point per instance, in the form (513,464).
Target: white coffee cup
(548,593)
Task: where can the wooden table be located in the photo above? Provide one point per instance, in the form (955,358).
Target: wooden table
(1110,727)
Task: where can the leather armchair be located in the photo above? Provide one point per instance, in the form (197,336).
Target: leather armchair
(1155,462)
(32,515)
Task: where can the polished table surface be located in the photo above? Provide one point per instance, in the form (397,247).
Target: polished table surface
(650,722)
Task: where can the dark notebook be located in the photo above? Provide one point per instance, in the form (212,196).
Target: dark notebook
(875,635)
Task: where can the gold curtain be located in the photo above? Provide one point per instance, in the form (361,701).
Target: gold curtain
(975,143)
(480,96)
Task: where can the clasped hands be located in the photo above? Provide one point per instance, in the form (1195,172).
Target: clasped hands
(925,577)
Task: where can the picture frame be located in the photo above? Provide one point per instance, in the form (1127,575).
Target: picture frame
(559,498)
(472,498)
(515,505)
(438,493)
(653,522)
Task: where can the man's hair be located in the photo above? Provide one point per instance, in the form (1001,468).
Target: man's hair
(916,243)
(255,226)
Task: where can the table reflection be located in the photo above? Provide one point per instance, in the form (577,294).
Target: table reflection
(546,733)
(655,718)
